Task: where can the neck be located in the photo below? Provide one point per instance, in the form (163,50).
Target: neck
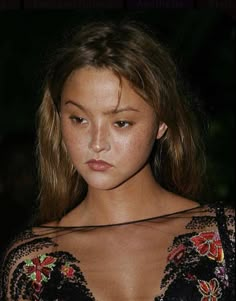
(140,197)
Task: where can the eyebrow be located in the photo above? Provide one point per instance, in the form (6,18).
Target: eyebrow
(113,111)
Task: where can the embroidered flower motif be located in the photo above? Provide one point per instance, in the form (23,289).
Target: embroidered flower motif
(67,270)
(210,291)
(176,254)
(190,277)
(37,287)
(209,244)
(221,274)
(39,269)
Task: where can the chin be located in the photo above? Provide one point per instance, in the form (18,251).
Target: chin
(103,185)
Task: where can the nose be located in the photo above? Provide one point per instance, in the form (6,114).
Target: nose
(99,139)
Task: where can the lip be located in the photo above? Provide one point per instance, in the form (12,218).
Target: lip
(98,165)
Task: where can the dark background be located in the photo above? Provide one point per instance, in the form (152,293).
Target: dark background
(201,40)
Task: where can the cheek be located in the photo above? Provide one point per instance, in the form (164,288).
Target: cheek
(74,143)
(138,143)
(67,136)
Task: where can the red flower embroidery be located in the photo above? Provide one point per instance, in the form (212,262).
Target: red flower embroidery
(190,277)
(177,253)
(67,270)
(39,269)
(210,291)
(37,287)
(209,244)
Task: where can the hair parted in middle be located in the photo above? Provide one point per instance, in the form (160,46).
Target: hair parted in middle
(130,52)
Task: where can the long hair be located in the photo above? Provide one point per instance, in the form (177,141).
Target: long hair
(177,159)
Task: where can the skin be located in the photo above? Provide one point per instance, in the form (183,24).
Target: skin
(105,119)
(102,121)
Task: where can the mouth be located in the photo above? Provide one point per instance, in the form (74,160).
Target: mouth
(98,165)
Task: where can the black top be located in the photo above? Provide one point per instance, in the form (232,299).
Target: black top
(184,256)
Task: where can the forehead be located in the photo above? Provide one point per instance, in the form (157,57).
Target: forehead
(100,87)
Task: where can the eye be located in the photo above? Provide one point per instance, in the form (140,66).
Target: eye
(122,123)
(78,120)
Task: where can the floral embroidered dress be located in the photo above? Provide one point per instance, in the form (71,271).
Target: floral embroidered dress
(185,256)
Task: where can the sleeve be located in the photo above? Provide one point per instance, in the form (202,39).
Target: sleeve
(226,225)
(9,267)
(15,284)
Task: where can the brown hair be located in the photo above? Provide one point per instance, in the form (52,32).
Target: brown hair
(177,159)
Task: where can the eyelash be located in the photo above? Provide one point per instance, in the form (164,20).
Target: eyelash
(76,119)
(123,123)
(119,124)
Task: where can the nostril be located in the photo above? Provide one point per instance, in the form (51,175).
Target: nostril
(99,145)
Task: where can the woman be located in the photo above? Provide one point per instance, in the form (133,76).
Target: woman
(120,165)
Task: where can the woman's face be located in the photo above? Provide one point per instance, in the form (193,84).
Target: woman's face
(108,129)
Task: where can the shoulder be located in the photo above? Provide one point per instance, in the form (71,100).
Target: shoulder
(225,217)
(27,245)
(29,241)
(212,216)
(218,218)
(225,214)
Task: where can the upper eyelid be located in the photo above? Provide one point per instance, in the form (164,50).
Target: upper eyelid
(125,121)
(77,118)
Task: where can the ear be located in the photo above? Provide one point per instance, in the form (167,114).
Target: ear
(161,130)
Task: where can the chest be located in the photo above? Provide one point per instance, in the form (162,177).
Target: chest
(144,269)
(146,264)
